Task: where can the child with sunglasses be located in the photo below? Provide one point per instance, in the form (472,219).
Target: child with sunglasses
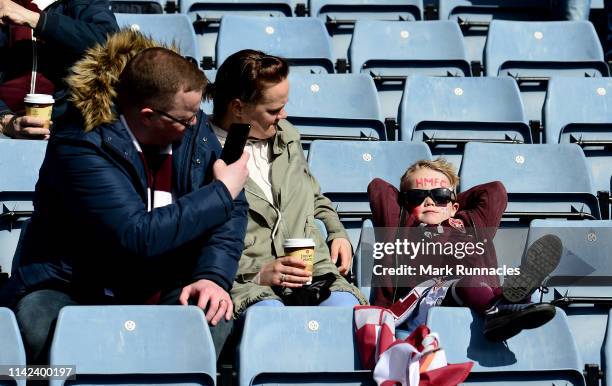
(428,208)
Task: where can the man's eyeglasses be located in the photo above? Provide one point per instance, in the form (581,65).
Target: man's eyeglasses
(441,196)
(185,123)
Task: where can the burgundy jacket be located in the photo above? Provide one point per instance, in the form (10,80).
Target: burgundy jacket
(480,212)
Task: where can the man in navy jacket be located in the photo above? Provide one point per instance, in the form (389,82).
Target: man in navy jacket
(112,224)
(39,42)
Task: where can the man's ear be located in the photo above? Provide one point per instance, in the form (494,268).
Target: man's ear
(146,114)
(236,108)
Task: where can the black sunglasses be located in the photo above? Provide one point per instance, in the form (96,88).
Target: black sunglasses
(185,123)
(440,196)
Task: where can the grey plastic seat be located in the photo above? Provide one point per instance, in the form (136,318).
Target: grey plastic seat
(340,17)
(131,345)
(20,162)
(579,110)
(474,17)
(334,106)
(542,181)
(278,36)
(166,28)
(582,282)
(532,52)
(206,17)
(294,345)
(446,113)
(345,168)
(12,353)
(543,356)
(391,50)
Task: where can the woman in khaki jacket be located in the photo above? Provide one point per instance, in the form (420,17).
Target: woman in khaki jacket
(284,198)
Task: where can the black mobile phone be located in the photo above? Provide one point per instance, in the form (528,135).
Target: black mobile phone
(235,141)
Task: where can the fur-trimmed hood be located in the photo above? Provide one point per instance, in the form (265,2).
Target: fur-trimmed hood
(94,78)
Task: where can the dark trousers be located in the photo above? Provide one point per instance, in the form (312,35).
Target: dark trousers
(37,314)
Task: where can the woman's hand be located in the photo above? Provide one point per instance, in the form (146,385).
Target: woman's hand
(286,271)
(342,249)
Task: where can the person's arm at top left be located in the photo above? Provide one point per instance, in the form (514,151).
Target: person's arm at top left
(91,24)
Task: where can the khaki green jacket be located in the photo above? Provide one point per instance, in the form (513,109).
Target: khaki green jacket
(299,202)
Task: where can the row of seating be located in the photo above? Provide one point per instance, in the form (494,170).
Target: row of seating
(543,180)
(171,345)
(340,16)
(390,51)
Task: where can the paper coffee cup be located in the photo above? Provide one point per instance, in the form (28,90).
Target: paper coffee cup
(39,106)
(302,248)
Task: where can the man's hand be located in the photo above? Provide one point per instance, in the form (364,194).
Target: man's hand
(209,294)
(286,271)
(24,127)
(233,176)
(341,248)
(13,13)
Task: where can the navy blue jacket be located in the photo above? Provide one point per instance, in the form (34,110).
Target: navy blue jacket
(91,233)
(67,28)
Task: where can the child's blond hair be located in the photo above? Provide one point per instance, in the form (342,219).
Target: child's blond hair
(439,164)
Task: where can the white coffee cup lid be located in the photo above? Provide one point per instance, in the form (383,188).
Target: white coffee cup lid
(39,99)
(298,243)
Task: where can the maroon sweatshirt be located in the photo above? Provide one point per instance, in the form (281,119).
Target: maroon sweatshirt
(478,217)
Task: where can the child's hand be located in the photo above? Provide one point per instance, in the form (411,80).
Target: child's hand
(341,248)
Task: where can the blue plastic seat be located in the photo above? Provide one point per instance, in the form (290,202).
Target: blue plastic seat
(206,16)
(542,181)
(391,50)
(582,282)
(474,17)
(334,106)
(130,345)
(20,162)
(166,28)
(340,17)
(345,168)
(532,52)
(579,110)
(543,356)
(284,37)
(446,113)
(295,345)
(363,260)
(12,353)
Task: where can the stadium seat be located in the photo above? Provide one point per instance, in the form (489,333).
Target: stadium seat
(20,162)
(340,17)
(132,345)
(543,356)
(391,50)
(166,28)
(532,52)
(582,283)
(446,113)
(334,106)
(474,17)
(579,110)
(206,16)
(299,345)
(363,260)
(542,181)
(345,168)
(304,41)
(12,353)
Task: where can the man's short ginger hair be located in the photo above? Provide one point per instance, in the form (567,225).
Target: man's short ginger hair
(439,164)
(154,76)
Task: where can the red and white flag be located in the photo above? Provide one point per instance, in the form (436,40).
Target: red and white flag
(416,361)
